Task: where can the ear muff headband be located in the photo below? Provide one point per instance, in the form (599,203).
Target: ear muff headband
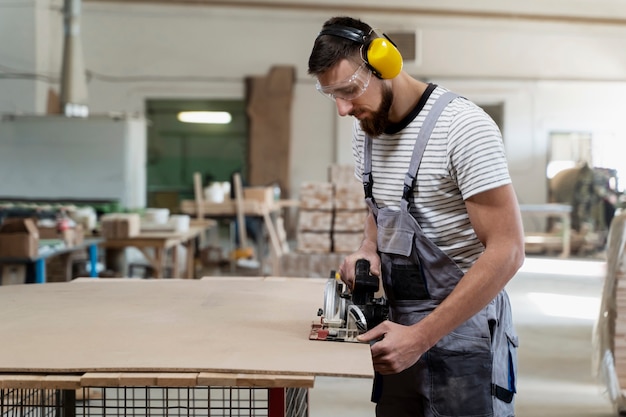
(346,32)
(380,54)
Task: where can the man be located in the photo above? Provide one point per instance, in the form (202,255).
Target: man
(443,233)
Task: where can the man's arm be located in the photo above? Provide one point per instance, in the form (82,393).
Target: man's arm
(495,216)
(367,250)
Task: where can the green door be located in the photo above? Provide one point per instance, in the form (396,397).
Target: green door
(176,150)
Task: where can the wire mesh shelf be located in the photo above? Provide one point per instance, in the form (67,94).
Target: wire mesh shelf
(151,402)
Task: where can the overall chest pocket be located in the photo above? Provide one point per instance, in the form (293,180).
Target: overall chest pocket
(395,236)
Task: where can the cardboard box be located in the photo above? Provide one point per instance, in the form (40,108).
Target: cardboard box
(349,220)
(315,220)
(19,238)
(71,237)
(341,174)
(313,242)
(349,196)
(347,242)
(120,225)
(310,265)
(264,195)
(316,195)
(12,274)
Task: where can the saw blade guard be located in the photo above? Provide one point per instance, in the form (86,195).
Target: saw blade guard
(357,317)
(334,303)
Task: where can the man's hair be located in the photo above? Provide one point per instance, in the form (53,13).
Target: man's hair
(328,50)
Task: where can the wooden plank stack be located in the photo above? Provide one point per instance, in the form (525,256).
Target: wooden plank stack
(619,340)
(609,337)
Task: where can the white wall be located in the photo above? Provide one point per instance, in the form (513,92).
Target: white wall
(54,157)
(550,75)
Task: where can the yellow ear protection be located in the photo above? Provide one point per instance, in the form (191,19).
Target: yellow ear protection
(380,54)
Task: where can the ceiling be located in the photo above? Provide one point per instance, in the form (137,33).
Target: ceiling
(609,12)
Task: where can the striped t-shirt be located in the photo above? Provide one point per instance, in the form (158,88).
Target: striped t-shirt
(464,156)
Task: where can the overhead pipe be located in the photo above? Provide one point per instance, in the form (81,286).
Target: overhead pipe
(73,94)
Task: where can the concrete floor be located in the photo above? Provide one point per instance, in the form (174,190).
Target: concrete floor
(555,304)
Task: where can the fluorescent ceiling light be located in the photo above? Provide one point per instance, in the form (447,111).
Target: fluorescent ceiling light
(206,117)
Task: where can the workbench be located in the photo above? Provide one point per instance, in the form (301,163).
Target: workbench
(250,208)
(156,245)
(218,332)
(563,211)
(47,252)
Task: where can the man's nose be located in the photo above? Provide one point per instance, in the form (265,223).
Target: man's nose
(343,106)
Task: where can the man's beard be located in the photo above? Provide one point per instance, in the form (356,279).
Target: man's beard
(376,125)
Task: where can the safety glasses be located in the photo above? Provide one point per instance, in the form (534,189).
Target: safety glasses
(348,89)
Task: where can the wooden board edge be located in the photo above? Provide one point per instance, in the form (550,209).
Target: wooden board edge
(255,380)
(139,379)
(37,381)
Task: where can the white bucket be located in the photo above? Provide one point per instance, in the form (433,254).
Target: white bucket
(214,193)
(180,222)
(156,215)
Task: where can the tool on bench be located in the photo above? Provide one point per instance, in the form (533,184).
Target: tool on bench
(243,254)
(347,314)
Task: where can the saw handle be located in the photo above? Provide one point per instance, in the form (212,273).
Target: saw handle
(362,268)
(364,282)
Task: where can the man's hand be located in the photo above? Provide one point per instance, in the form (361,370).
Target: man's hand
(347,268)
(368,250)
(394,347)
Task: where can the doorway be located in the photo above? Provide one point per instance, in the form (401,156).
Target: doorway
(176,149)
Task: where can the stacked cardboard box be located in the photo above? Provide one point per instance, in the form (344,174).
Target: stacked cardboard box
(315,217)
(332,214)
(341,173)
(331,218)
(310,265)
(62,268)
(350,209)
(19,238)
(11,274)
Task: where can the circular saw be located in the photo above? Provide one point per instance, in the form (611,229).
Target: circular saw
(334,312)
(347,314)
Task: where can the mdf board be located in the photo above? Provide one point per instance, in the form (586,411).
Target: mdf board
(242,325)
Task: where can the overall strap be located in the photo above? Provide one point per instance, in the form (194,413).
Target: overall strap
(420,144)
(368,181)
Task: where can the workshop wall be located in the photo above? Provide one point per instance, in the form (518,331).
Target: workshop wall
(550,74)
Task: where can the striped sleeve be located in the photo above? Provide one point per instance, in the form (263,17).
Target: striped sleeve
(477,160)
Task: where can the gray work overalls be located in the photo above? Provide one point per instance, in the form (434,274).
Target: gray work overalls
(471,371)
